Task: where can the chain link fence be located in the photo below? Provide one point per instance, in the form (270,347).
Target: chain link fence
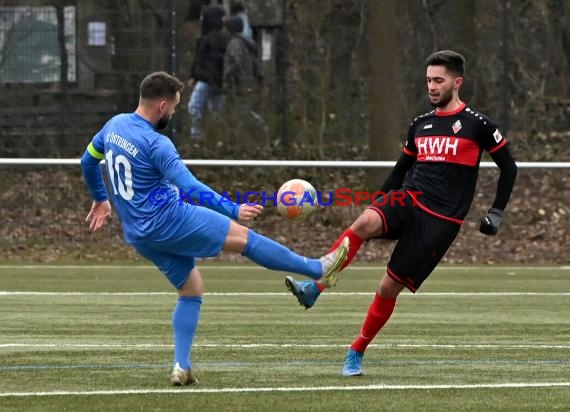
(65,67)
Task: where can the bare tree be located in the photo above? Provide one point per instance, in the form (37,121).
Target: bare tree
(385,67)
(457,24)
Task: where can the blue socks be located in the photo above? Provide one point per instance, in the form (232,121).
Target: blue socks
(275,256)
(262,251)
(184,322)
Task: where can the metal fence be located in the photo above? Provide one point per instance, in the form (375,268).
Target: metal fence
(65,69)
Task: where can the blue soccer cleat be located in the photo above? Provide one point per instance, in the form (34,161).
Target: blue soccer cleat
(306,291)
(352,363)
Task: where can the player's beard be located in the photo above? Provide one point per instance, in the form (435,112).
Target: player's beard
(163,122)
(445,98)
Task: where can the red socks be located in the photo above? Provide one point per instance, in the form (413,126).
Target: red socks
(355,244)
(378,314)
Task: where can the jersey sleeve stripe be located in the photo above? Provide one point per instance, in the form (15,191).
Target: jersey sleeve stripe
(409,152)
(494,149)
(94,152)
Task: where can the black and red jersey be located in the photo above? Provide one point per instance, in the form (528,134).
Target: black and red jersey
(448,148)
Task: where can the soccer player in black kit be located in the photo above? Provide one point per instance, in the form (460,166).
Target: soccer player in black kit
(429,192)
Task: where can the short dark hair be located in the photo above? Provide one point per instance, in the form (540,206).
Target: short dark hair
(160,84)
(453,61)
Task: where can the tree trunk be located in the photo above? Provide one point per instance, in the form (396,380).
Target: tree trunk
(385,66)
(458,23)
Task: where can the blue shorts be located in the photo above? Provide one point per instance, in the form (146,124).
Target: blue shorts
(201,234)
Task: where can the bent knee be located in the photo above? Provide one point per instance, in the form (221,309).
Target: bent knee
(368,225)
(237,238)
(194,285)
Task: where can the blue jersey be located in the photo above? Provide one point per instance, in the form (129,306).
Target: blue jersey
(152,189)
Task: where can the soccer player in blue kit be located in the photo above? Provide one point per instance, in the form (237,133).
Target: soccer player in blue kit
(147,177)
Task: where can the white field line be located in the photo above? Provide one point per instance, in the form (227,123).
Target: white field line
(256,267)
(279,345)
(260,294)
(379,387)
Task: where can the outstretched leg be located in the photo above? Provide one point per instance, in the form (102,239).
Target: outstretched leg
(366,226)
(273,255)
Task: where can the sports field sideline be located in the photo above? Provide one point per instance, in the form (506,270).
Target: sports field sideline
(99,337)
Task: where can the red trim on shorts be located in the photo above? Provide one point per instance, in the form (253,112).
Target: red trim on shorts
(409,152)
(383,217)
(431,212)
(494,149)
(406,283)
(451,113)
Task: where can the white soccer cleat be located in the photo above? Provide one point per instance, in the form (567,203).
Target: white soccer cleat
(181,376)
(332,262)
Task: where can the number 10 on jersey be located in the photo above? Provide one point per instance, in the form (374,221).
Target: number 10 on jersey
(125,187)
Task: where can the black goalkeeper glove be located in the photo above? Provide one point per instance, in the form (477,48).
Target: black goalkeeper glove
(491,223)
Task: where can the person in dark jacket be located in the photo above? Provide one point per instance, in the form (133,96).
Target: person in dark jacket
(207,69)
(241,65)
(242,78)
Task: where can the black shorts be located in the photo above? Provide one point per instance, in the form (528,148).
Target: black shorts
(423,238)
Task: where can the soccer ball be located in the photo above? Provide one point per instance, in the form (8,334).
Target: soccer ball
(296,199)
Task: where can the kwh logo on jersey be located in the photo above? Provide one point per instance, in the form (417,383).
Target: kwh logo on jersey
(457,126)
